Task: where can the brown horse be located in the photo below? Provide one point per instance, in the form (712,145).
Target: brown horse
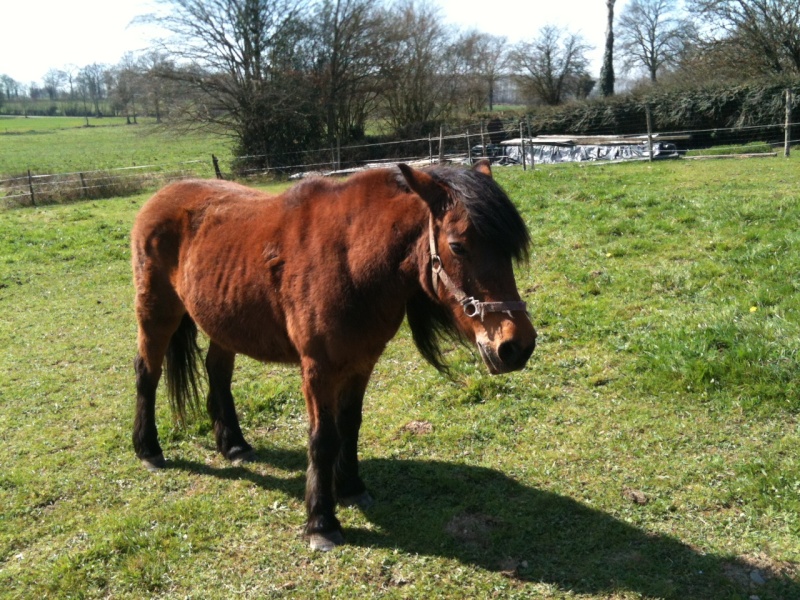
(321,275)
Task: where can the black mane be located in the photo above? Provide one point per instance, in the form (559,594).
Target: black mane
(497,220)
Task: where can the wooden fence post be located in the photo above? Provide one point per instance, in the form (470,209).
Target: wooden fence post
(483,141)
(522,147)
(84,190)
(441,144)
(430,149)
(787,134)
(649,130)
(217,172)
(30,187)
(469,150)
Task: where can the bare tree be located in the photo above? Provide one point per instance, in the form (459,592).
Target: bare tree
(346,50)
(71,74)
(10,87)
(763,34)
(158,87)
(479,60)
(607,70)
(417,85)
(243,66)
(548,68)
(125,82)
(651,35)
(91,87)
(53,80)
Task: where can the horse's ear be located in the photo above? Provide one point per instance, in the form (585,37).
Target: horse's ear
(483,166)
(426,187)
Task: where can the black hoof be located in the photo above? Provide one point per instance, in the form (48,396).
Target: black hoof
(154,463)
(363,501)
(238,455)
(325,542)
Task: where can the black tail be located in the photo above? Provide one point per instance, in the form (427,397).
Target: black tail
(182,372)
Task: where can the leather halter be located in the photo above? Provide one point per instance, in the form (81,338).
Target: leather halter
(472,307)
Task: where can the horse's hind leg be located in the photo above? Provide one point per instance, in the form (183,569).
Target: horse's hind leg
(221,409)
(153,342)
(145,433)
(159,312)
(350,489)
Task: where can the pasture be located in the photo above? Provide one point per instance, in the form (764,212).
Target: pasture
(48,145)
(649,449)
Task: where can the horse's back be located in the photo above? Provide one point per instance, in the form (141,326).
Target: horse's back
(178,200)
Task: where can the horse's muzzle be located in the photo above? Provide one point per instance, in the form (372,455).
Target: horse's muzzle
(511,355)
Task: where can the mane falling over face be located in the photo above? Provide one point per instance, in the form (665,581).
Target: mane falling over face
(479,233)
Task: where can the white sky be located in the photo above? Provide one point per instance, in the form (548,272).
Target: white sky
(53,34)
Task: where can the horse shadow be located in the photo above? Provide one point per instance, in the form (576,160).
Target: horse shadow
(480,516)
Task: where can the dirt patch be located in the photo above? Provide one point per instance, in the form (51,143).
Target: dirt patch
(418,427)
(753,571)
(635,496)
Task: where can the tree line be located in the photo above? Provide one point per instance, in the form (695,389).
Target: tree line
(287,75)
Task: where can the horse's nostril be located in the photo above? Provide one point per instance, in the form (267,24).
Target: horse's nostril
(514,355)
(508,352)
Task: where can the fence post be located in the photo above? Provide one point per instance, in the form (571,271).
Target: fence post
(649,130)
(441,144)
(84,190)
(483,141)
(30,187)
(430,149)
(522,147)
(787,134)
(217,172)
(469,150)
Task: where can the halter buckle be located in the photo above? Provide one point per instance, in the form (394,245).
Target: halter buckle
(472,307)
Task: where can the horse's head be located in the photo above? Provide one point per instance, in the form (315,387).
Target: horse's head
(474,235)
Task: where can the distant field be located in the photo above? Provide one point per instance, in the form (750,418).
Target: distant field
(648,451)
(48,145)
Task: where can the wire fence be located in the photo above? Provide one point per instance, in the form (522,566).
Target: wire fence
(455,146)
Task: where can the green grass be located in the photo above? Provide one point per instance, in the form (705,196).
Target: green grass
(751,148)
(649,450)
(21,125)
(48,145)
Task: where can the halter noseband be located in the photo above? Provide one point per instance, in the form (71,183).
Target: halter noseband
(472,307)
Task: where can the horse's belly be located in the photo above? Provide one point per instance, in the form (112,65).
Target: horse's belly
(254,336)
(245,320)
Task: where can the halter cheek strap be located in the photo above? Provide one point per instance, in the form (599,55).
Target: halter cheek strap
(472,307)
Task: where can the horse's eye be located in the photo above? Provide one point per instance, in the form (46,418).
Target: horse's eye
(457,249)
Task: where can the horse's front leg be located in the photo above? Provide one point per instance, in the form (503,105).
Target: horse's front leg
(221,409)
(350,489)
(323,528)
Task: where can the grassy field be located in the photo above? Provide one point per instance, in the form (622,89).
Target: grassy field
(751,148)
(649,450)
(48,145)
